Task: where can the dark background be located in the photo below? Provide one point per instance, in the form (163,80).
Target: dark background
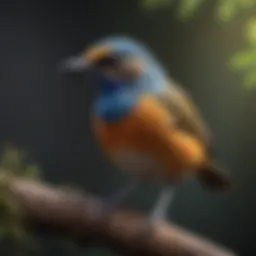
(47,114)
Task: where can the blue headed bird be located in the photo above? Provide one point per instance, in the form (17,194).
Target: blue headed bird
(147,125)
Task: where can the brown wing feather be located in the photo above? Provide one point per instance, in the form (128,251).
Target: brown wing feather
(187,115)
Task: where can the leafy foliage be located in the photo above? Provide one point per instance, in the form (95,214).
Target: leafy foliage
(12,219)
(245,61)
(185,8)
(225,11)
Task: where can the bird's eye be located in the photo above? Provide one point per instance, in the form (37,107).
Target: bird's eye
(108,61)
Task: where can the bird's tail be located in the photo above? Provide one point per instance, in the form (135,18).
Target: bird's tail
(214,178)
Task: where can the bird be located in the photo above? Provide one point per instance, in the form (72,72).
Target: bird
(148,126)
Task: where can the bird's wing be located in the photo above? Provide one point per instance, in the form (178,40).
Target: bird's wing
(187,116)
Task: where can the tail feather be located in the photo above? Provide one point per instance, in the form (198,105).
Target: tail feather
(214,178)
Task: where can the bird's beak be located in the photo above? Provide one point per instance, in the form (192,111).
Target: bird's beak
(85,61)
(78,64)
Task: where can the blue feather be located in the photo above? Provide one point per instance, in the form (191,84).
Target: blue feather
(117,98)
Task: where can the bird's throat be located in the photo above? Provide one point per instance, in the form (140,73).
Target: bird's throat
(113,107)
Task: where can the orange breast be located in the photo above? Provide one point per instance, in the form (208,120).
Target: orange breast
(150,130)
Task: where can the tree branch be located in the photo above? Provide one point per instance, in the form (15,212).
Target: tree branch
(78,216)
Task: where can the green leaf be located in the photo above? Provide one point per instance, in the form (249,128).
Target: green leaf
(227,9)
(12,217)
(246,4)
(244,60)
(251,31)
(187,8)
(12,159)
(32,172)
(250,79)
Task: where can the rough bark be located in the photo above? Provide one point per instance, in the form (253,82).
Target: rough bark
(78,217)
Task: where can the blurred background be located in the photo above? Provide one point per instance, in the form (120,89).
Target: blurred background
(48,114)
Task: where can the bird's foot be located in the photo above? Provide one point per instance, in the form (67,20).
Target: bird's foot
(147,226)
(159,212)
(158,216)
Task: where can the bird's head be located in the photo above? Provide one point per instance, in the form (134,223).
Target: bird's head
(116,61)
